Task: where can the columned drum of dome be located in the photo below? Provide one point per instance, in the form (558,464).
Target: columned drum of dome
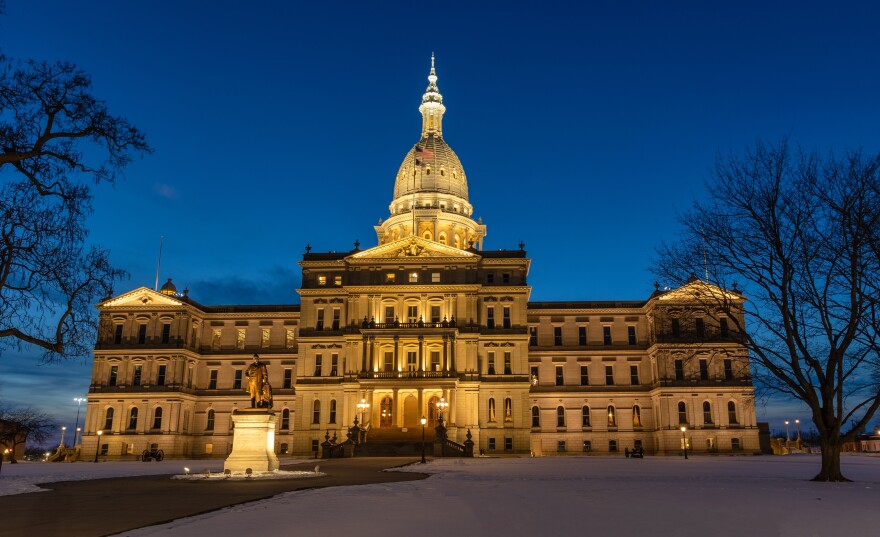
(430,190)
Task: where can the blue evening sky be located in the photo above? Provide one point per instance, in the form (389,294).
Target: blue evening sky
(583,128)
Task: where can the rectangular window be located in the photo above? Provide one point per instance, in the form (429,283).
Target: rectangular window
(319,323)
(337,280)
(609,375)
(588,446)
(212,380)
(166,332)
(104,449)
(334,365)
(634,375)
(723,326)
(435,314)
(491,444)
(142,334)
(734,444)
(506,318)
(160,376)
(704,369)
(508,366)
(389,361)
(264,338)
(413,277)
(559,376)
(239,338)
(560,446)
(412,314)
(336,314)
(315,446)
(389,277)
(389,314)
(136,378)
(490,358)
(322,280)
(490,278)
(435,360)
(606,335)
(582,336)
(505,278)
(412,360)
(557,336)
(114,374)
(435,277)
(285,420)
(508,443)
(117,335)
(332,417)
(728,369)
(534,373)
(283,449)
(585,375)
(157,418)
(215,339)
(209,449)
(288,379)
(631,334)
(612,445)
(288,339)
(700,327)
(676,328)
(236,380)
(679,370)
(533,336)
(490,317)
(318,363)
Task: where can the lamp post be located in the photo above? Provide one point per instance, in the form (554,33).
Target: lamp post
(798,423)
(787,437)
(441,406)
(79,401)
(363,406)
(63,430)
(424,421)
(75,435)
(684,444)
(98,445)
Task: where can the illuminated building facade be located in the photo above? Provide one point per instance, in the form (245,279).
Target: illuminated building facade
(427,316)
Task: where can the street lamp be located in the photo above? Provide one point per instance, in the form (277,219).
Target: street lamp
(424,421)
(78,430)
(79,401)
(63,429)
(98,445)
(441,406)
(798,423)
(684,444)
(363,406)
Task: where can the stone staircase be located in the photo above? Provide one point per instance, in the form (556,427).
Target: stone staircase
(395,442)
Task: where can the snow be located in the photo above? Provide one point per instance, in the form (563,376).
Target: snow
(719,496)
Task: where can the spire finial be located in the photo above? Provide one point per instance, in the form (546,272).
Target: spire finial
(432,63)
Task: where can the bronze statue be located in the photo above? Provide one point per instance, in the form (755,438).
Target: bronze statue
(258,384)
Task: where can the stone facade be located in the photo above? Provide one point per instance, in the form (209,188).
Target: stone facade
(426,316)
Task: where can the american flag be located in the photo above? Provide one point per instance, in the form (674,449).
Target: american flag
(423,155)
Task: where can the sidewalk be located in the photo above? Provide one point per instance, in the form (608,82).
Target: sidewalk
(107,506)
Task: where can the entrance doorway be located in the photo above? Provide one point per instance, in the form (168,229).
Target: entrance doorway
(411,412)
(385,412)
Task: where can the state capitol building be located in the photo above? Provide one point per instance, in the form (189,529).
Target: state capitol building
(427,321)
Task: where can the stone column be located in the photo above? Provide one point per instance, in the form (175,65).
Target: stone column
(397,366)
(372,353)
(364,355)
(452,352)
(445,349)
(395,408)
(421,353)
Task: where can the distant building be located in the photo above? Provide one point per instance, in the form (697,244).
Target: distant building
(12,438)
(426,316)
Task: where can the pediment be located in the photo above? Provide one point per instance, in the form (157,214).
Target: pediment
(698,290)
(142,296)
(413,247)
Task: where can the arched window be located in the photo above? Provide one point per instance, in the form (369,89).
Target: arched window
(682,412)
(491,409)
(385,411)
(285,419)
(637,416)
(316,411)
(508,409)
(332,411)
(157,418)
(133,418)
(707,412)
(432,411)
(428,235)
(536,417)
(560,416)
(209,425)
(585,416)
(441,238)
(731,412)
(612,416)
(457,241)
(108,419)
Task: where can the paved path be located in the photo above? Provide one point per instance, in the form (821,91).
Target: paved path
(106,506)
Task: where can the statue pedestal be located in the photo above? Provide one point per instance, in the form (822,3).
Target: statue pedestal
(253,441)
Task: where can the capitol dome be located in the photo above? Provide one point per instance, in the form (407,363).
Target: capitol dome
(431,166)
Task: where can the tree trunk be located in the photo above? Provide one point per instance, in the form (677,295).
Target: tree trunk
(830,462)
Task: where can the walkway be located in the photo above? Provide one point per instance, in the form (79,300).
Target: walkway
(106,506)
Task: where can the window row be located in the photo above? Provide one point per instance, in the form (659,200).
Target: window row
(584,377)
(586,419)
(703,372)
(508,410)
(707,413)
(607,336)
(132,418)
(241,338)
(316,412)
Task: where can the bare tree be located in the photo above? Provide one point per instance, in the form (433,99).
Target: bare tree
(55,138)
(801,234)
(23,424)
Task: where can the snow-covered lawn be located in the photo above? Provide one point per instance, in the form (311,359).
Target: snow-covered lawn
(602,496)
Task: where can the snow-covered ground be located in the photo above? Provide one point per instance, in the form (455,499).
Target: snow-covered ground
(24,477)
(718,496)
(602,496)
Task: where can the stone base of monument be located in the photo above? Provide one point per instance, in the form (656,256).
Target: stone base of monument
(253,441)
